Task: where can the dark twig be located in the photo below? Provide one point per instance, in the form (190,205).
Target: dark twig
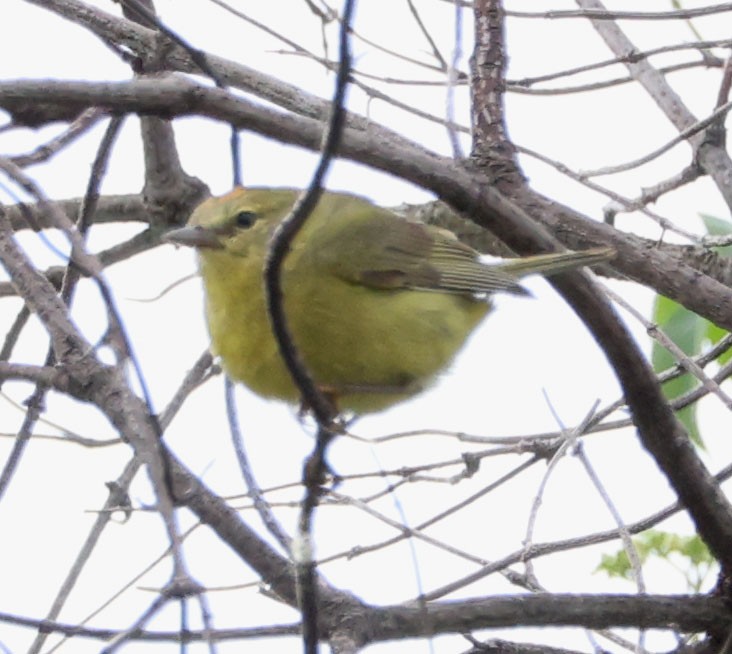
(35,406)
(118,489)
(527,82)
(70,350)
(85,121)
(322,408)
(11,338)
(468,192)
(36,402)
(146,16)
(88,205)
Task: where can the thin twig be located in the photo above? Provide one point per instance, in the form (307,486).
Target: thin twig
(253,489)
(320,405)
(603,14)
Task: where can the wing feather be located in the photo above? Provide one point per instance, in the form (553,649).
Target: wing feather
(368,245)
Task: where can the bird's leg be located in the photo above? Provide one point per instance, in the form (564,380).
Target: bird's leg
(330,392)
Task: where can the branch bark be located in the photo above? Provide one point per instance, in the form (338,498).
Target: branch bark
(639,259)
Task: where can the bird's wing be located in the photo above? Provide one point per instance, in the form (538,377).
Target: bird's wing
(375,248)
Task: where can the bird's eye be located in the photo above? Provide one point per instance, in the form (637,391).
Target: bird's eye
(245,219)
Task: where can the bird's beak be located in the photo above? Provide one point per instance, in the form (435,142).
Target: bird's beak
(195,237)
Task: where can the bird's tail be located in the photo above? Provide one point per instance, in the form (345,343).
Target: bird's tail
(549,264)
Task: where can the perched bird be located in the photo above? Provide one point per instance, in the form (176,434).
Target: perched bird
(377,305)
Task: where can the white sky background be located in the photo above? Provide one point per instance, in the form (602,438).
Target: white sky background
(495,388)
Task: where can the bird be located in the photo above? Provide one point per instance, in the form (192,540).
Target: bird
(377,305)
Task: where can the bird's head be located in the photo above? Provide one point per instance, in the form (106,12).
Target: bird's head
(236,222)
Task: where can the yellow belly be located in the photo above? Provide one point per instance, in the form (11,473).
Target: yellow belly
(371,347)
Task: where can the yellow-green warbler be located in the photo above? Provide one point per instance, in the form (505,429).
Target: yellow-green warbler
(377,305)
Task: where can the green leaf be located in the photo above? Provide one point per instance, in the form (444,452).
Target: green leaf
(718,227)
(688,555)
(616,565)
(715,333)
(688,331)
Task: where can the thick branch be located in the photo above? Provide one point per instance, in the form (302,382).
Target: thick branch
(142,42)
(110,209)
(491,145)
(470,194)
(639,259)
(373,625)
(168,190)
(687,613)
